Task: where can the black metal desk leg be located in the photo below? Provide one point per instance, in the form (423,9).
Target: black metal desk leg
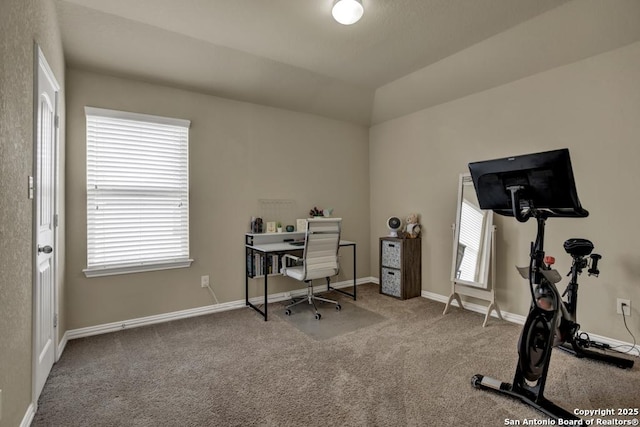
(354,272)
(266,274)
(251,272)
(353,295)
(246,276)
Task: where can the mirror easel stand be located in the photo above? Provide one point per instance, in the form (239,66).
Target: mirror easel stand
(458,288)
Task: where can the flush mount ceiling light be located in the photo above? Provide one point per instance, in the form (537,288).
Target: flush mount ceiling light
(347,12)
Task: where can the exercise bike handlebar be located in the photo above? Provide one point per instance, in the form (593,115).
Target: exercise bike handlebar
(593,271)
(523,214)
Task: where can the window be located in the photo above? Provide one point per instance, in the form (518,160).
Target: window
(471,238)
(137,192)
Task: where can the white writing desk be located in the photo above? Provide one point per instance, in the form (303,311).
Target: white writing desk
(273,244)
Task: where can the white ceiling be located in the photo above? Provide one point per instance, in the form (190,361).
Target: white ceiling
(285,53)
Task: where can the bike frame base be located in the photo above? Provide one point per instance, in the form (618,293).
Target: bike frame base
(537,402)
(581,352)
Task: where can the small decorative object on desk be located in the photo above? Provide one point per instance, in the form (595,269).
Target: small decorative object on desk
(271,227)
(289,228)
(315,212)
(301,224)
(279,227)
(256,225)
(413,226)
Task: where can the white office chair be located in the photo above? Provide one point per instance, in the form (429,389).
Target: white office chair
(320,259)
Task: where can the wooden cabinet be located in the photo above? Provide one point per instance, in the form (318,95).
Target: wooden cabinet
(400,267)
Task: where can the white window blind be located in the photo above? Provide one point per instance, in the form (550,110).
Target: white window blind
(471,237)
(137,192)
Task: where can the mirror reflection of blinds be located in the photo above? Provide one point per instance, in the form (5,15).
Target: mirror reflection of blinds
(471,226)
(137,189)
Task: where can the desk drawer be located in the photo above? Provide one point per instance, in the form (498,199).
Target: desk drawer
(390,282)
(391,253)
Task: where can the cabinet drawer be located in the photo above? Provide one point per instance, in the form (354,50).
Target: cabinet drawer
(390,282)
(391,253)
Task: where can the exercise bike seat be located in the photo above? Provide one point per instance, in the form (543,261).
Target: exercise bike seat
(578,247)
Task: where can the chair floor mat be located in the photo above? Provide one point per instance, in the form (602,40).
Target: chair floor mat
(333,322)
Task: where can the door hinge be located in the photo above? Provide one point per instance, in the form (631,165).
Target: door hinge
(55,320)
(30,187)
(56,122)
(55,220)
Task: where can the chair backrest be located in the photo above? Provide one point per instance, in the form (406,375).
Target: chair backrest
(322,241)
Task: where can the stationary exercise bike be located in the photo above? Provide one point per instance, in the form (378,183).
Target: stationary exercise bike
(540,186)
(570,339)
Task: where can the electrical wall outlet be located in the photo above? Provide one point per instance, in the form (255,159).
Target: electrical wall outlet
(627,306)
(204,281)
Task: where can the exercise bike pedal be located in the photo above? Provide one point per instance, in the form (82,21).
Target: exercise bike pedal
(524,272)
(551,275)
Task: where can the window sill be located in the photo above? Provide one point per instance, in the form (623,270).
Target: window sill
(136,268)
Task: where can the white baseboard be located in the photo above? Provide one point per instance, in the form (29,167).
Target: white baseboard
(282,296)
(478,308)
(192,312)
(28,416)
(62,344)
(519,319)
(150,320)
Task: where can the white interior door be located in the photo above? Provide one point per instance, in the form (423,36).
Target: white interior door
(45,206)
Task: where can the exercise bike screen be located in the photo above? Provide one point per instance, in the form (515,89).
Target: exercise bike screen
(546,182)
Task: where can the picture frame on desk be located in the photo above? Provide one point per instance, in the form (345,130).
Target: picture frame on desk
(301,224)
(271,227)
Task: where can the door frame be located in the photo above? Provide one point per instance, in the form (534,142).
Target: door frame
(40,59)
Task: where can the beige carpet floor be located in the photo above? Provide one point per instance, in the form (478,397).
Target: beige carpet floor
(406,365)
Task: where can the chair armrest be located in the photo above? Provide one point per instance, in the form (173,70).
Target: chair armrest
(283,269)
(293,257)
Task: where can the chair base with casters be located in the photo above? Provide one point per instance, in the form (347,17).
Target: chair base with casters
(311,298)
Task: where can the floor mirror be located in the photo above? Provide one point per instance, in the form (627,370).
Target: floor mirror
(473,250)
